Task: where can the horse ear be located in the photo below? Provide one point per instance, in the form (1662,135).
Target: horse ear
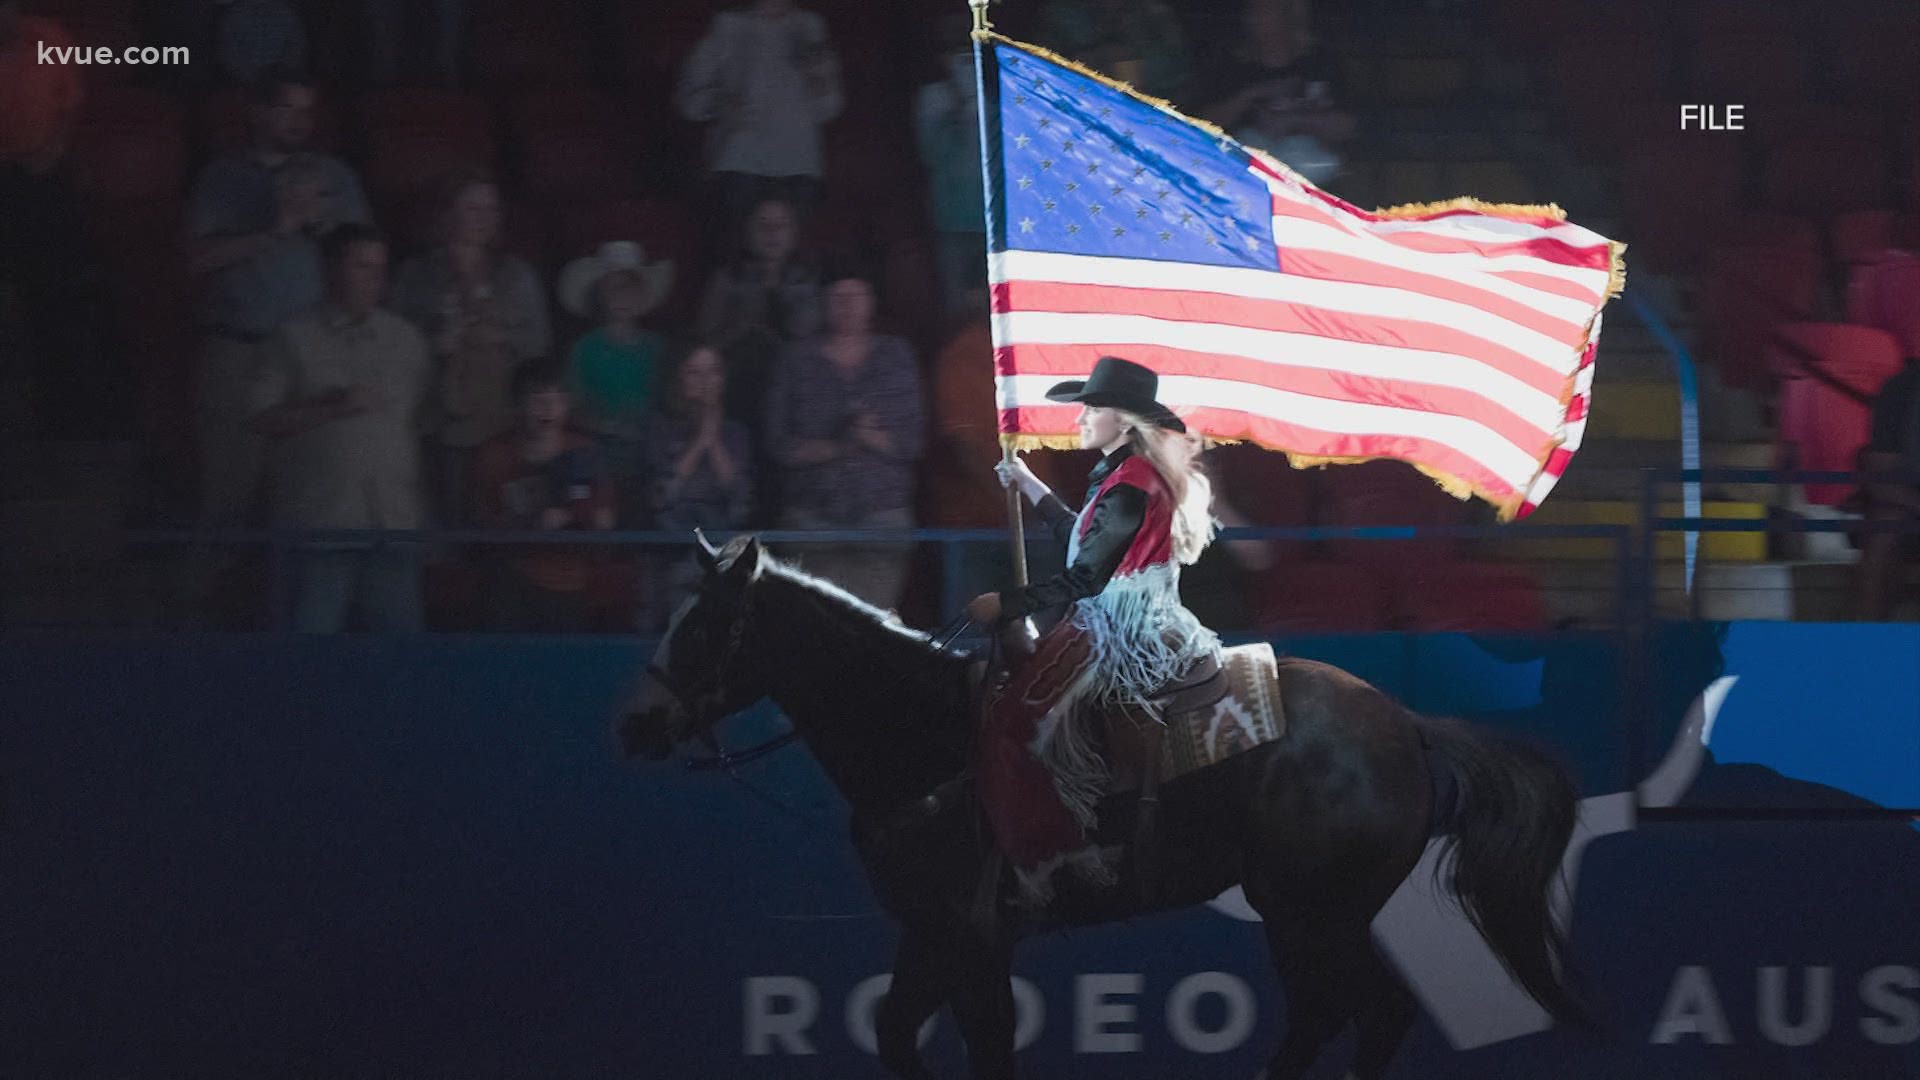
(745,566)
(709,558)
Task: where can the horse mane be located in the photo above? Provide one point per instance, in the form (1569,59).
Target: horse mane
(924,666)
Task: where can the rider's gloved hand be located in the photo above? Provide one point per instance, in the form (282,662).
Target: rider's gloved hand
(1016,472)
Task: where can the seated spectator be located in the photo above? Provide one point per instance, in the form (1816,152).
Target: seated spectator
(844,422)
(701,464)
(760,303)
(45,256)
(542,476)
(252,37)
(1139,42)
(1278,92)
(1893,448)
(613,367)
(765,79)
(947,123)
(484,311)
(337,395)
(254,222)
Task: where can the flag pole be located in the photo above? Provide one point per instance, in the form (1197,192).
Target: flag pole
(1016,521)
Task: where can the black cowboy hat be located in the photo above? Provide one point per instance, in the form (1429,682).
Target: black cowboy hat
(1120,384)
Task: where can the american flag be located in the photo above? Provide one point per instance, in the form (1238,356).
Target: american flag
(1458,338)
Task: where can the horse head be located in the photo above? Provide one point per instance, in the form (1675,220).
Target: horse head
(698,675)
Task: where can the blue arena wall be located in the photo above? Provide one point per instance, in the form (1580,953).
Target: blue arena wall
(262,857)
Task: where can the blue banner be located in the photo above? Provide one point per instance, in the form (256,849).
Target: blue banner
(265,857)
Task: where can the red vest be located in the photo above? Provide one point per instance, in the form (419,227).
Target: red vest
(1153,544)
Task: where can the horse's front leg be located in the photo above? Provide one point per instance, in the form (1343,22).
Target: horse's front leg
(923,979)
(983,1004)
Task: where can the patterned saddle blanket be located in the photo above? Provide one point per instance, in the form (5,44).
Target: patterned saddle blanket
(1247,714)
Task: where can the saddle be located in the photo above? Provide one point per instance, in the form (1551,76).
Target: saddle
(1223,706)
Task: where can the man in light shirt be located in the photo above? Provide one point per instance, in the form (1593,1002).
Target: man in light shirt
(337,398)
(765,80)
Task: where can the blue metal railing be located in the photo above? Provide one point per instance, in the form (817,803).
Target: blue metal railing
(281,544)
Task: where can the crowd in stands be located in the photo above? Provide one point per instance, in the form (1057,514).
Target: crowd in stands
(581,265)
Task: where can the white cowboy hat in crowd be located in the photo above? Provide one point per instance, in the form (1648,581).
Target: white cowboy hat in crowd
(579,278)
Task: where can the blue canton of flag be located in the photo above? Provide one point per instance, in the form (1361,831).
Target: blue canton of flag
(1088,170)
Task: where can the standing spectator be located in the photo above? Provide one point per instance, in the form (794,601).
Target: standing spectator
(438,27)
(701,463)
(1893,448)
(542,476)
(252,37)
(484,311)
(44,255)
(338,396)
(613,367)
(764,80)
(1278,91)
(844,421)
(761,303)
(254,221)
(947,123)
(1139,42)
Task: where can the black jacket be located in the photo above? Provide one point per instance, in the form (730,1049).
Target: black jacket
(1114,522)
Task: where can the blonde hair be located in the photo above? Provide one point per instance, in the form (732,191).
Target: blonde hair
(1175,456)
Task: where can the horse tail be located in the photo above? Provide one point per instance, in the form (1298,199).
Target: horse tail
(1507,811)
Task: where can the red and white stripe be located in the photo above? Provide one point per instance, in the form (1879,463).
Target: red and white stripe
(1460,340)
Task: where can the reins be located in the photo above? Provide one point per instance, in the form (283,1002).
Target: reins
(721,759)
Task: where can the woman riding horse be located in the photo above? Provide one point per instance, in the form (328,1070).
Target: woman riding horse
(1124,637)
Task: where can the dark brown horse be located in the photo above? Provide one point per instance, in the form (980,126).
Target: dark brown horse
(1319,827)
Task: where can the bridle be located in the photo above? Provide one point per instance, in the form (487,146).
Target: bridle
(689,697)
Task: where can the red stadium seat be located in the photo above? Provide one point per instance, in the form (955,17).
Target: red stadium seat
(1846,354)
(1881,63)
(1867,236)
(1834,370)
(573,166)
(129,146)
(1321,597)
(1779,125)
(1823,176)
(1463,596)
(563,108)
(1616,128)
(1886,295)
(1749,68)
(1796,234)
(449,115)
(543,44)
(1671,229)
(111,23)
(653,43)
(1714,18)
(1537,23)
(1592,70)
(1747,290)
